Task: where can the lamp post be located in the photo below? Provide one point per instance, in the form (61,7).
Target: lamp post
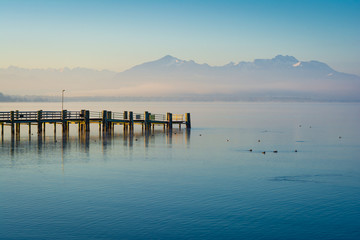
(62,100)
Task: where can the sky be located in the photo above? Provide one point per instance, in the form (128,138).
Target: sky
(117,35)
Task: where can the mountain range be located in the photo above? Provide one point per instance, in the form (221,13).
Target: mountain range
(282,77)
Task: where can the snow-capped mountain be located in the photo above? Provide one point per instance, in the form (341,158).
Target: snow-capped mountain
(170,77)
(284,75)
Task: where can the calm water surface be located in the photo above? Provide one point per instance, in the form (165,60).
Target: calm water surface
(202,184)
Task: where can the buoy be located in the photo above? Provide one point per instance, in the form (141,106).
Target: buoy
(295,150)
(275,151)
(250,150)
(263,152)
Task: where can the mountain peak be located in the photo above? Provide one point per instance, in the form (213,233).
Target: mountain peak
(285,59)
(168,58)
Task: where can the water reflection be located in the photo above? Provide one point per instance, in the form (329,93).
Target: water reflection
(83,146)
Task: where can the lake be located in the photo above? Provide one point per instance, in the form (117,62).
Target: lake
(198,184)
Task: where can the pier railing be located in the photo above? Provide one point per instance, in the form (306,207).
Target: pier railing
(74,115)
(25,115)
(106,119)
(178,117)
(95,114)
(139,116)
(4,116)
(51,115)
(117,116)
(157,117)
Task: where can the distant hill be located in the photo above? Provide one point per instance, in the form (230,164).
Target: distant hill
(279,78)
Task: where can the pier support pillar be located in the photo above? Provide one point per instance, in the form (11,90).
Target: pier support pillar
(17,129)
(87,121)
(12,118)
(17,125)
(147,121)
(188,120)
(131,121)
(169,121)
(104,120)
(109,123)
(64,122)
(39,117)
(44,128)
(125,118)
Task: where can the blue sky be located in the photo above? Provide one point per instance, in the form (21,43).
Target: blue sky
(116,35)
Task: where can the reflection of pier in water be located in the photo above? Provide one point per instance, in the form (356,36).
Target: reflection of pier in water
(84,142)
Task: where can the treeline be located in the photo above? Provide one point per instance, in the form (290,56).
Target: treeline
(12,98)
(6,98)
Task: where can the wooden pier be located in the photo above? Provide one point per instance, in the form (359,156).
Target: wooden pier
(105,119)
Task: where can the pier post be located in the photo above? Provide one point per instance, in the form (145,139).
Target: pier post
(87,121)
(188,120)
(131,121)
(125,118)
(82,121)
(79,127)
(29,128)
(64,122)
(169,120)
(104,120)
(17,125)
(109,123)
(147,121)
(12,116)
(2,130)
(39,117)
(54,128)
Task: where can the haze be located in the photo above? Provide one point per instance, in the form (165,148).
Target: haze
(117,35)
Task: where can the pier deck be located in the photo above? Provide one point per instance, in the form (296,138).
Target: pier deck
(105,119)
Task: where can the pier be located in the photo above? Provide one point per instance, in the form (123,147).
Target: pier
(105,119)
